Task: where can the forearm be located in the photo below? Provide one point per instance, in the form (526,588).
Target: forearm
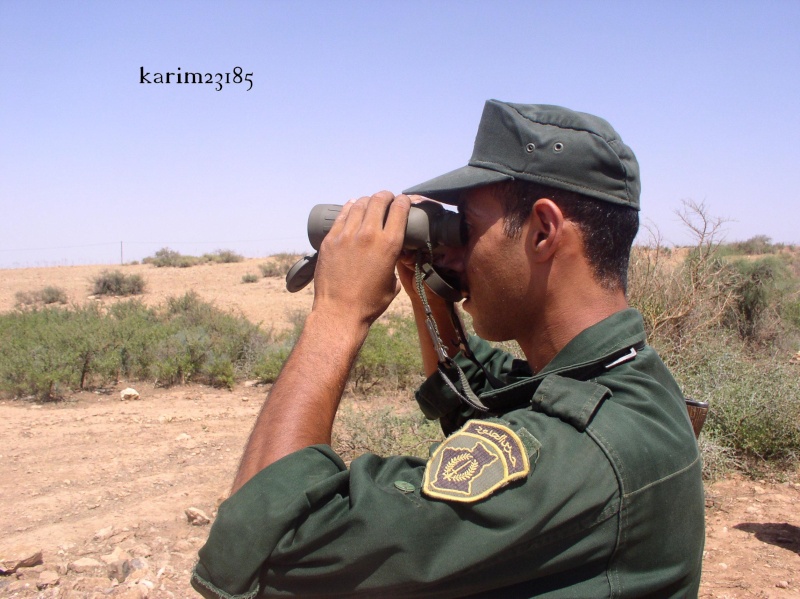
(300,409)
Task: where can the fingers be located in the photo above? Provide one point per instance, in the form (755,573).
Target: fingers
(398,217)
(371,214)
(376,207)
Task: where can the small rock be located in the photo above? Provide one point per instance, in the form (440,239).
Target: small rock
(141,550)
(119,570)
(18,585)
(182,545)
(21,556)
(128,393)
(93,583)
(118,555)
(196,517)
(104,533)
(85,564)
(136,592)
(782,584)
(723,566)
(256,382)
(183,437)
(139,569)
(48,578)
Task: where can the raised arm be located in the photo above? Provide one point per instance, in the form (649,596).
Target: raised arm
(354,284)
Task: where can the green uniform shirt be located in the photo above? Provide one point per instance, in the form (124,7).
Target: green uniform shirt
(612,505)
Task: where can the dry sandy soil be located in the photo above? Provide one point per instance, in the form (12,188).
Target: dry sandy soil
(101,486)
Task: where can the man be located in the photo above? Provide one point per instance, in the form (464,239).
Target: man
(575,474)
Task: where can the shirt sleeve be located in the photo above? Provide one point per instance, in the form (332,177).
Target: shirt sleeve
(307,525)
(437,399)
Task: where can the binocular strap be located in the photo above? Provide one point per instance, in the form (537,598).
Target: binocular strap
(468,396)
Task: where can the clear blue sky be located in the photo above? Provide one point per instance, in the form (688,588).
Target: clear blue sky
(352,97)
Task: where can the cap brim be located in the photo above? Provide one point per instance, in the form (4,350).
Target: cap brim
(448,187)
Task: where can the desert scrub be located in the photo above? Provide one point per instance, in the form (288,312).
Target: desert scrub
(249,278)
(166,257)
(763,296)
(271,360)
(117,284)
(390,357)
(383,431)
(45,296)
(49,352)
(222,257)
(278,265)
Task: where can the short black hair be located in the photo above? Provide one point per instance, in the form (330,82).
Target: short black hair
(607,229)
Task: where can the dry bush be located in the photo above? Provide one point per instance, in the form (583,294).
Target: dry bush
(682,295)
(45,296)
(279,264)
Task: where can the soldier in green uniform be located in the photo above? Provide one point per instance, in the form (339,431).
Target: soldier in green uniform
(572,474)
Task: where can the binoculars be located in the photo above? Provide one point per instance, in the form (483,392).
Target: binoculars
(430,225)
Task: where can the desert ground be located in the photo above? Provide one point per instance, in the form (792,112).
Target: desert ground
(95,490)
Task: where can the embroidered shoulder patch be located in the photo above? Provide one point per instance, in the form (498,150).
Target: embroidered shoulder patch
(474,462)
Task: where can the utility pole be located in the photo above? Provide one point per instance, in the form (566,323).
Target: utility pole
(121,261)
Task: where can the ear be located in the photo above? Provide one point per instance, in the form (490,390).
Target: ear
(546,229)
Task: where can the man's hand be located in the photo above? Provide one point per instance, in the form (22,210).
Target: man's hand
(354,278)
(355,283)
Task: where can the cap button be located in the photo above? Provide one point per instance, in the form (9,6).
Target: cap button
(530,148)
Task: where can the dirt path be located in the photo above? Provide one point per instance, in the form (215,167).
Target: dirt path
(92,475)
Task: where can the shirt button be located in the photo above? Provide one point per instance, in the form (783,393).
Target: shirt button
(404,486)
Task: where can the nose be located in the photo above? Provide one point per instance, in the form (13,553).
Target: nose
(451,258)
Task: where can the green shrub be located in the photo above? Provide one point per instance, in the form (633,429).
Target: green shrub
(390,355)
(383,431)
(46,296)
(166,257)
(278,265)
(53,295)
(270,364)
(755,246)
(791,313)
(754,400)
(762,293)
(271,360)
(49,352)
(222,257)
(249,278)
(117,284)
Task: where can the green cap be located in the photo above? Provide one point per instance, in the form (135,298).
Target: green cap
(544,144)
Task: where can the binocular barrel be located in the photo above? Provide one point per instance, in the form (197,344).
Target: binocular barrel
(427,222)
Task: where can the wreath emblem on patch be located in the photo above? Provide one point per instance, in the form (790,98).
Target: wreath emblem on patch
(474,462)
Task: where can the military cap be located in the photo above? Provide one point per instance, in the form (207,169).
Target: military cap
(544,144)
